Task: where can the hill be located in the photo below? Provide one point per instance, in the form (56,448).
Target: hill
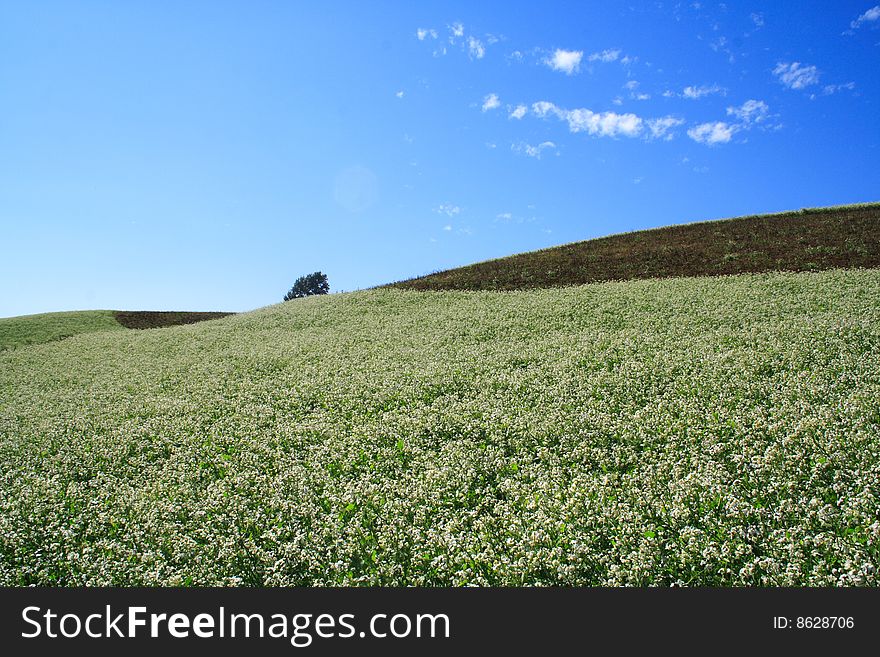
(806,240)
(48,327)
(692,431)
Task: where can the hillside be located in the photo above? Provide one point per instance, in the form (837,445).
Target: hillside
(691,431)
(807,240)
(48,327)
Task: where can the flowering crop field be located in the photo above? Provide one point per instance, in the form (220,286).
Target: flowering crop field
(695,431)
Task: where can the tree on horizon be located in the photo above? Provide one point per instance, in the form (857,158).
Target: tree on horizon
(308,285)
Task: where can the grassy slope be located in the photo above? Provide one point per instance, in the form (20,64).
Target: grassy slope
(808,240)
(706,431)
(47,327)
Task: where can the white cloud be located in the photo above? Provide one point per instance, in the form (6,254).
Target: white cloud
(632,85)
(422,33)
(447,227)
(504,216)
(542,108)
(518,112)
(567,61)
(662,128)
(757,19)
(604,56)
(717,132)
(457,30)
(668,93)
(607,124)
(533,151)
(795,75)
(603,124)
(617,100)
(751,111)
(698,92)
(475,48)
(399,94)
(829,89)
(491,102)
(873,14)
(448,209)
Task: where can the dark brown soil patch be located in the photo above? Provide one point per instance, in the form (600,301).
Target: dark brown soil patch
(815,239)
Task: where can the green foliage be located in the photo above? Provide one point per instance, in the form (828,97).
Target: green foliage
(308,285)
(48,327)
(706,431)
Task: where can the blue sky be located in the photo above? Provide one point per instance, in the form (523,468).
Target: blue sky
(202,155)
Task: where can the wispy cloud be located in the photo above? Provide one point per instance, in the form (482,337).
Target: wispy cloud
(829,89)
(717,132)
(603,124)
(457,31)
(448,209)
(533,151)
(695,93)
(750,112)
(566,61)
(870,16)
(518,112)
(423,33)
(476,50)
(605,56)
(757,19)
(795,75)
(632,85)
(663,127)
(609,124)
(399,94)
(491,102)
(543,107)
(606,124)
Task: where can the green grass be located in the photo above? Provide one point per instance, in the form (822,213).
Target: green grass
(48,327)
(807,240)
(694,431)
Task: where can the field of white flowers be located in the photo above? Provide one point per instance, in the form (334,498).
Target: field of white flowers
(710,431)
